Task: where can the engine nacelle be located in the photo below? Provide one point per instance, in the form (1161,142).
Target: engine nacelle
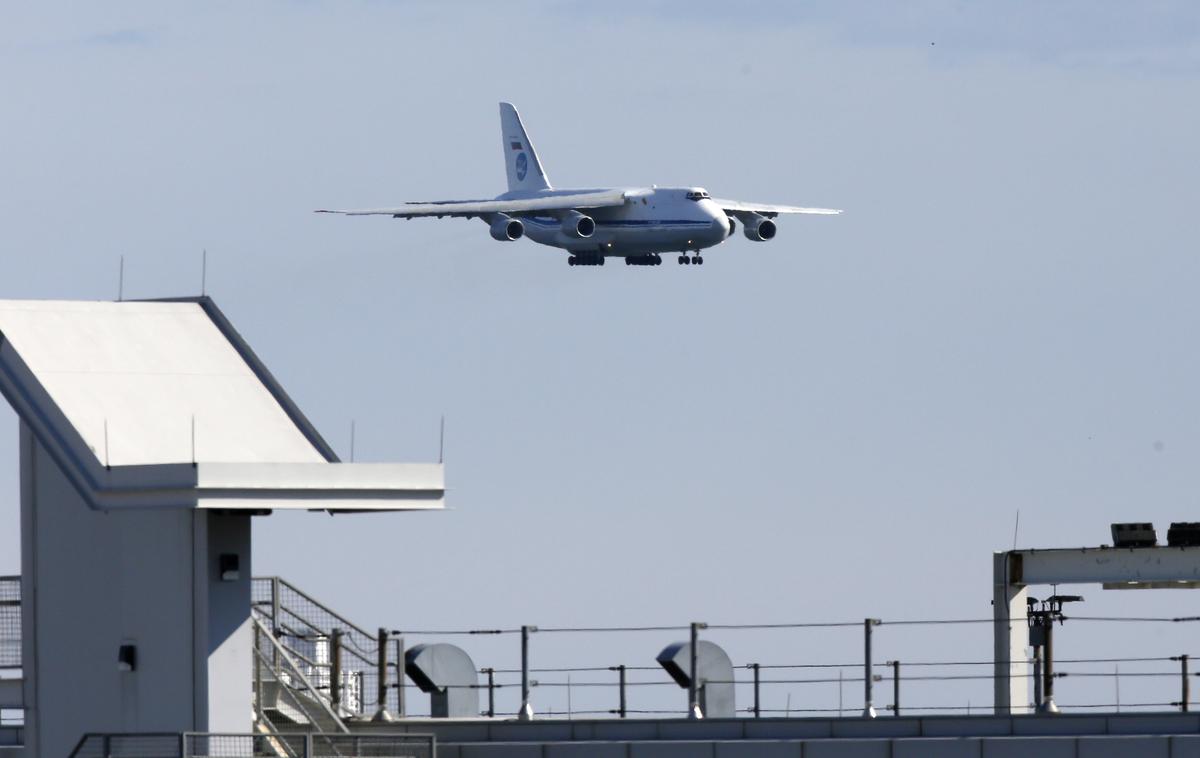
(507,229)
(758,228)
(577,225)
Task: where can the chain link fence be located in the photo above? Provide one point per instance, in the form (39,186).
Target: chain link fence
(10,622)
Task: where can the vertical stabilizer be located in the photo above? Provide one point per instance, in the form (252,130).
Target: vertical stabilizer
(520,159)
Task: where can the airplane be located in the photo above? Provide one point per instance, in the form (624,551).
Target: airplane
(638,224)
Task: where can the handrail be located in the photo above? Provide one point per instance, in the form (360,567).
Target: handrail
(287,657)
(319,604)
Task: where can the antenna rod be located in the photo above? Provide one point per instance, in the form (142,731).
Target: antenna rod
(442,441)
(204,272)
(121,280)
(352,440)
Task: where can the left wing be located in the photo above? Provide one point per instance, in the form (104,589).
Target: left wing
(770,211)
(470,208)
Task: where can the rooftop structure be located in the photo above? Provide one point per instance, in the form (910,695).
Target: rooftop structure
(150,434)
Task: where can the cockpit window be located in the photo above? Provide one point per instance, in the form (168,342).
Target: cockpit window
(697,195)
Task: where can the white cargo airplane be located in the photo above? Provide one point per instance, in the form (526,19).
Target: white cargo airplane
(593,224)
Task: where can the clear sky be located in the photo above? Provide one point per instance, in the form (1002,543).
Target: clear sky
(841,423)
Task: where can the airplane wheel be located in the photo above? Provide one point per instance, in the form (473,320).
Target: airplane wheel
(699,260)
(600,262)
(571,261)
(682,259)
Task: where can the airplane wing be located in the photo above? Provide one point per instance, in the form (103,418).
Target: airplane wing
(514,207)
(737,206)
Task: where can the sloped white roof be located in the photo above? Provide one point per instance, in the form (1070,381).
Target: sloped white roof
(163,404)
(147,372)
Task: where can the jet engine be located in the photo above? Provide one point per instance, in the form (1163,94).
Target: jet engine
(758,228)
(507,229)
(577,225)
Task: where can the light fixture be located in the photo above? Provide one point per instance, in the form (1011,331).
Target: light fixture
(228,566)
(127,658)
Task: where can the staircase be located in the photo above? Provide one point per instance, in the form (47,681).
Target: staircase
(301,648)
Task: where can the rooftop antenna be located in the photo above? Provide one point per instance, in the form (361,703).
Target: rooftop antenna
(204,272)
(352,440)
(121,280)
(1016,526)
(442,441)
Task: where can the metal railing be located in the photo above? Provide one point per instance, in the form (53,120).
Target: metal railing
(291,681)
(10,622)
(263,745)
(342,659)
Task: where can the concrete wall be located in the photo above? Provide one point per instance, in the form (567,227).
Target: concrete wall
(946,747)
(814,729)
(93,581)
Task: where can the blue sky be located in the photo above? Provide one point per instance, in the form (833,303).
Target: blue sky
(841,423)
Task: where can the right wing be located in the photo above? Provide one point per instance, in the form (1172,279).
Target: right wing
(469,208)
(770,211)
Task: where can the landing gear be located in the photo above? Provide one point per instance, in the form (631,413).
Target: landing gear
(586,259)
(685,260)
(643,260)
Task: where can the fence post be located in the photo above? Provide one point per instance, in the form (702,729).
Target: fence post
(1185,689)
(491,687)
(868,677)
(275,624)
(381,672)
(526,712)
(401,707)
(621,684)
(106,745)
(183,745)
(308,745)
(895,688)
(757,710)
(335,670)
(258,680)
(694,711)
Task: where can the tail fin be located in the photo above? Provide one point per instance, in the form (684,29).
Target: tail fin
(520,159)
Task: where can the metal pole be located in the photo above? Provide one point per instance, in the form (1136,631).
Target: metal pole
(1185,693)
(757,710)
(335,669)
(526,712)
(275,624)
(1037,677)
(1048,705)
(621,709)
(491,685)
(381,675)
(895,688)
(258,680)
(868,707)
(400,672)
(694,711)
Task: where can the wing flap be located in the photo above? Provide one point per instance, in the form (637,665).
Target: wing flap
(482,207)
(737,206)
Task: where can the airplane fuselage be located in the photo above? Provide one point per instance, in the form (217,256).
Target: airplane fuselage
(652,220)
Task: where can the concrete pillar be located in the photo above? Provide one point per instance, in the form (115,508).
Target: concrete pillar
(1010,635)
(151,579)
